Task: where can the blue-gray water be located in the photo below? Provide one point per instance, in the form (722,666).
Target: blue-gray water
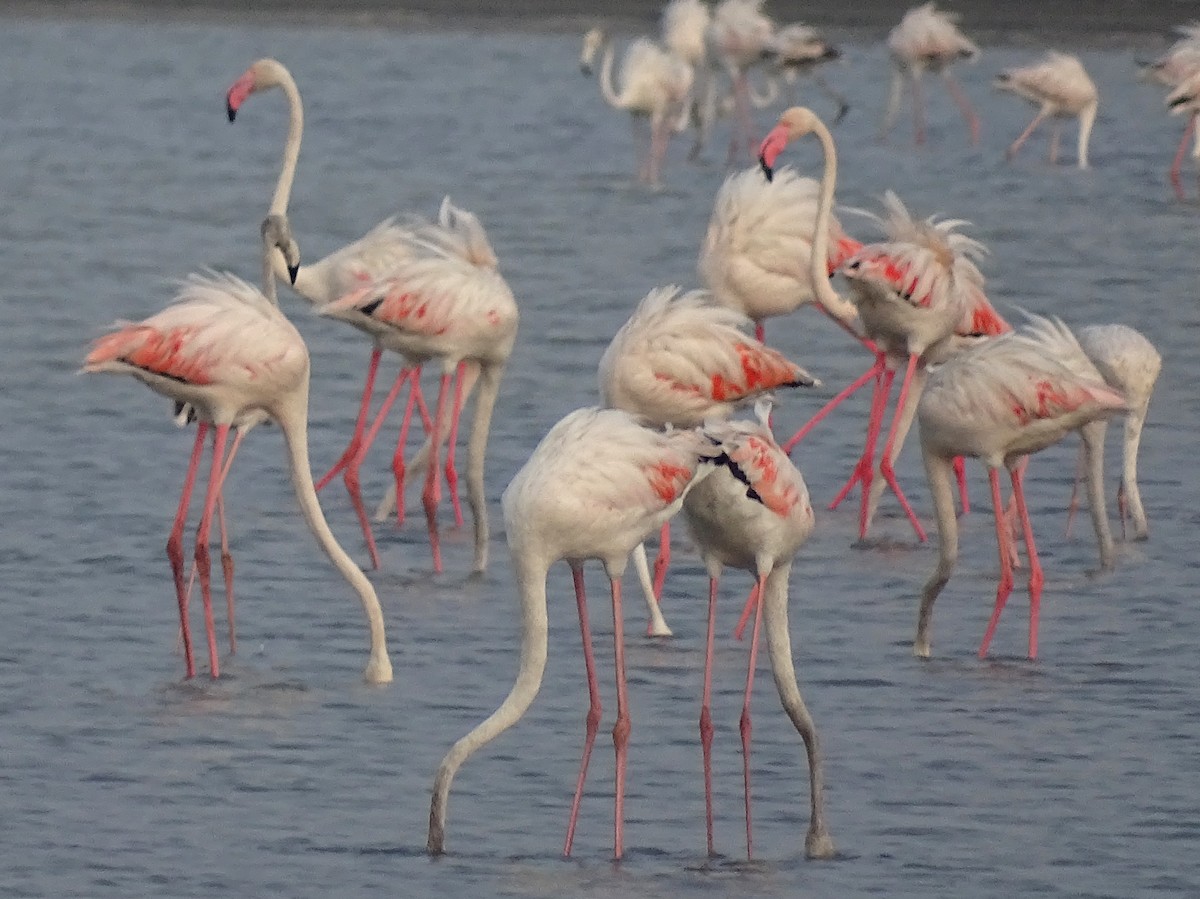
(1075,775)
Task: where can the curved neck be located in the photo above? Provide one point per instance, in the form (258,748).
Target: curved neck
(291,149)
(1087,119)
(938,471)
(489,388)
(531,586)
(272,260)
(828,297)
(1093,453)
(293,420)
(611,97)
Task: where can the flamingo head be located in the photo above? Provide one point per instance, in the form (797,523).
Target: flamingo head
(263,74)
(794,123)
(277,232)
(592,42)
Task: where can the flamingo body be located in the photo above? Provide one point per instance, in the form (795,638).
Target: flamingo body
(1060,87)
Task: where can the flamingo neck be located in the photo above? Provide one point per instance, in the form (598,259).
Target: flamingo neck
(489,388)
(1093,452)
(292,417)
(291,148)
(938,470)
(1087,119)
(531,587)
(607,89)
(837,306)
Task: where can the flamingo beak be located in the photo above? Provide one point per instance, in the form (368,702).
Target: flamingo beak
(770,149)
(242,88)
(293,270)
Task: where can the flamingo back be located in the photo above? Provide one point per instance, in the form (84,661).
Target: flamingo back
(683,27)
(929,36)
(1058,80)
(741,33)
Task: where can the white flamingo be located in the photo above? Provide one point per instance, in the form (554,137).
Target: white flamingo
(1059,86)
(1176,65)
(741,36)
(1184,99)
(683,27)
(800,50)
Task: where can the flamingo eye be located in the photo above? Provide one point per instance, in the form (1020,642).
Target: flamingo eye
(853,265)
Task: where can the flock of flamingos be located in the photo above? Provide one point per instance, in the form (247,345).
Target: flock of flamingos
(667,436)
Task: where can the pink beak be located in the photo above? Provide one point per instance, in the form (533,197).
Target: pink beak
(770,149)
(242,88)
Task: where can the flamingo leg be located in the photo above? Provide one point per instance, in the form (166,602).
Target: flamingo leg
(895,91)
(854,387)
(863,469)
(360,422)
(750,605)
(760,332)
(660,136)
(1003,538)
(175,547)
(964,106)
(226,555)
(452,442)
(203,560)
(706,726)
(1055,133)
(640,154)
(351,475)
(1036,579)
(432,494)
(1122,508)
(1011,152)
(1073,505)
(744,724)
(398,468)
(835,96)
(1177,164)
(890,450)
(663,559)
(960,474)
(623,726)
(594,707)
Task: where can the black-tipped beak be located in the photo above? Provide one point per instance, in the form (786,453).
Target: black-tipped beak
(585,69)
(293,270)
(767,170)
(230,111)
(1178,101)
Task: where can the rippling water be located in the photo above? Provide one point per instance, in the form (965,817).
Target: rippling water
(1078,774)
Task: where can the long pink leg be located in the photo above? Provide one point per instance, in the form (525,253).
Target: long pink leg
(594,708)
(203,560)
(856,385)
(750,605)
(1177,164)
(1016,145)
(1035,566)
(964,106)
(885,465)
(760,332)
(864,468)
(960,474)
(351,476)
(744,724)
(432,493)
(401,445)
(706,726)
(175,547)
(663,559)
(452,443)
(226,555)
(1003,538)
(359,423)
(623,726)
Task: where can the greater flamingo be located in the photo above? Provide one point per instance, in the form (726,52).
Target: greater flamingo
(226,351)
(441,306)
(684,29)
(1059,86)
(799,51)
(999,402)
(376,255)
(681,360)
(656,85)
(597,484)
(927,38)
(759,532)
(1176,65)
(1185,100)
(741,36)
(1129,363)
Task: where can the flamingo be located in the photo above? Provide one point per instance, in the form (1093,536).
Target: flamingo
(226,351)
(759,533)
(598,483)
(683,27)
(1185,100)
(1060,87)
(373,256)
(442,306)
(741,36)
(1000,402)
(928,38)
(655,85)
(799,51)
(1128,362)
(1176,65)
(681,360)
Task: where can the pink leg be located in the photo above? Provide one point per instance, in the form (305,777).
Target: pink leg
(960,473)
(226,555)
(622,727)
(351,476)
(706,726)
(1016,145)
(432,494)
(452,443)
(1003,537)
(663,559)
(744,724)
(594,709)
(1035,566)
(750,605)
(830,406)
(359,422)
(864,468)
(885,465)
(1073,504)
(964,107)
(1056,130)
(760,332)
(401,445)
(175,547)
(1177,165)
(203,561)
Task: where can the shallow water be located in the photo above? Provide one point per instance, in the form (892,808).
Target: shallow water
(1077,774)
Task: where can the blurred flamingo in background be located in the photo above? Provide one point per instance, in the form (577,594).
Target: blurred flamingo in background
(741,36)
(800,50)
(1176,65)
(1185,100)
(684,29)
(1060,87)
